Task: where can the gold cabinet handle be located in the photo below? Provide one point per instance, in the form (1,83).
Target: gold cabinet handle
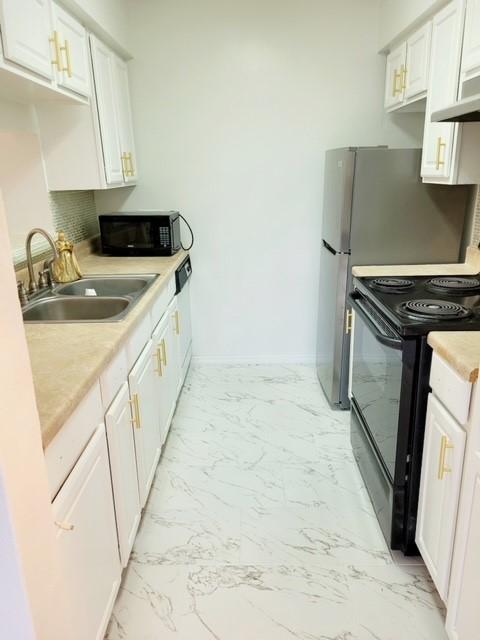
(135,403)
(124,158)
(158,357)
(66,51)
(348,322)
(58,50)
(164,352)
(177,322)
(440,158)
(403,71)
(397,77)
(442,467)
(66,526)
(131,171)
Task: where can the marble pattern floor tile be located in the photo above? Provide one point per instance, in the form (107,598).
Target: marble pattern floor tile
(259,526)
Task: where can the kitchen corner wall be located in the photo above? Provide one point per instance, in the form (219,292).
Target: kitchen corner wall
(234,105)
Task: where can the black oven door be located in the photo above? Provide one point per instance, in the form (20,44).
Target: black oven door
(383,397)
(377,382)
(127,235)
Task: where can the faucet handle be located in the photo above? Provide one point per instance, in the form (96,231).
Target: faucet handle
(44,279)
(22,293)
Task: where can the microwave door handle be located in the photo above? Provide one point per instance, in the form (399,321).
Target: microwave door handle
(380,336)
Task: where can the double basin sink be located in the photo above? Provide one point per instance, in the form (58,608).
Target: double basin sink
(91,299)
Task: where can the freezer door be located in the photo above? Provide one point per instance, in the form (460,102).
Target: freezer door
(333,342)
(396,218)
(337,198)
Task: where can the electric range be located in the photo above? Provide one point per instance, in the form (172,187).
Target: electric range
(390,384)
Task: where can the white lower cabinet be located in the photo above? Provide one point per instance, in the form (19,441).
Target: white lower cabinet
(123,466)
(442,466)
(146,426)
(463,611)
(167,369)
(87,540)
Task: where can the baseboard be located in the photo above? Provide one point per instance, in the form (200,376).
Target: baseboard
(226,360)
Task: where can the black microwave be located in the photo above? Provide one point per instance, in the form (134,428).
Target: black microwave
(140,233)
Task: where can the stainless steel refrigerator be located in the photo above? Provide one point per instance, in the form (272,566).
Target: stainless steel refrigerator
(376,210)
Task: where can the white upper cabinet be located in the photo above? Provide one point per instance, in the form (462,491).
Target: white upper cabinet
(440,139)
(442,466)
(471,41)
(408,70)
(394,85)
(124,120)
(27,35)
(106,94)
(418,63)
(71,52)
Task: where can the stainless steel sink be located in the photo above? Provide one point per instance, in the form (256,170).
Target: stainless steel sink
(107,286)
(113,298)
(57,309)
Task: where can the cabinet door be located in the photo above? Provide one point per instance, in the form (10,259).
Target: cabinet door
(87,540)
(184,329)
(463,612)
(103,73)
(395,77)
(440,138)
(418,63)
(165,342)
(124,117)
(121,450)
(442,466)
(471,41)
(143,394)
(26,30)
(74,69)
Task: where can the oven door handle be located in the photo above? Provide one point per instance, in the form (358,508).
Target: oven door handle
(375,328)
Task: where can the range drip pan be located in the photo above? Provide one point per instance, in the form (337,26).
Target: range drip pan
(434,310)
(391,285)
(454,284)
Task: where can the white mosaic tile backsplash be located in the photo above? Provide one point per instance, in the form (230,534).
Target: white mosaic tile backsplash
(476,221)
(73,212)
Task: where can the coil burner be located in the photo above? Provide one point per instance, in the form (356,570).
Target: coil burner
(454,284)
(391,285)
(434,310)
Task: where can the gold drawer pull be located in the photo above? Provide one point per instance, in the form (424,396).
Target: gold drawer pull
(440,160)
(66,526)
(164,352)
(403,72)
(442,467)
(66,51)
(158,356)
(348,322)
(135,403)
(58,55)
(177,322)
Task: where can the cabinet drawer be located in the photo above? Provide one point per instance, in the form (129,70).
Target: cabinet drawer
(162,301)
(113,377)
(137,341)
(67,446)
(453,391)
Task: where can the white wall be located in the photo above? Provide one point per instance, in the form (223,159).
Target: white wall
(234,106)
(397,16)
(107,17)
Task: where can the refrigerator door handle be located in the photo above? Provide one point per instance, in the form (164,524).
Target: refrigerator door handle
(329,248)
